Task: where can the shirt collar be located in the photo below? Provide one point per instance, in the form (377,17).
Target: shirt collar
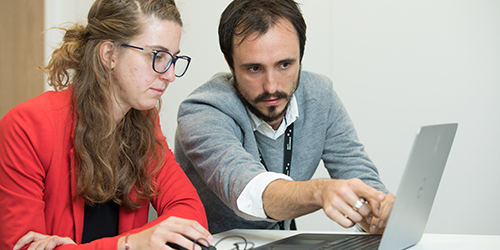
(292,113)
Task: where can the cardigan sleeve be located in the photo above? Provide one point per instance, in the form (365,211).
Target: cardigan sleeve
(212,142)
(344,156)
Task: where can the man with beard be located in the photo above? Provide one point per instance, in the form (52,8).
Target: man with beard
(251,140)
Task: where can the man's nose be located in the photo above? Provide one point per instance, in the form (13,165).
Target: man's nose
(270,83)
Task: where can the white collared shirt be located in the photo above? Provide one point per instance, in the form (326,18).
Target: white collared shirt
(250,200)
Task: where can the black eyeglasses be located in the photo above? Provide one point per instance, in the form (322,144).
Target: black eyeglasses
(162,60)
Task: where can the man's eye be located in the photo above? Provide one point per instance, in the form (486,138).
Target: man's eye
(285,65)
(254,68)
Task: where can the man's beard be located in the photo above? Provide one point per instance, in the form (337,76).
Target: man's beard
(272,112)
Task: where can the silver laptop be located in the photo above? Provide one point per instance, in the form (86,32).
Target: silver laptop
(411,209)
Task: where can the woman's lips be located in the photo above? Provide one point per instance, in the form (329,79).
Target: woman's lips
(158,91)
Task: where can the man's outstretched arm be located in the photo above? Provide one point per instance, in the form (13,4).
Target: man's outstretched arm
(284,200)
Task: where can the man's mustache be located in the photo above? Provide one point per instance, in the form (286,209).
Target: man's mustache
(267,95)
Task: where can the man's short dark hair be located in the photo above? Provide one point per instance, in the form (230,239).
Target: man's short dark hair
(246,17)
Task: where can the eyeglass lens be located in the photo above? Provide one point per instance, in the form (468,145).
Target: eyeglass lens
(163,61)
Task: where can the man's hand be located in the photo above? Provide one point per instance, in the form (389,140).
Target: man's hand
(376,225)
(339,197)
(284,200)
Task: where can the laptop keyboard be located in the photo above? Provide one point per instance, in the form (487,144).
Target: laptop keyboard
(357,242)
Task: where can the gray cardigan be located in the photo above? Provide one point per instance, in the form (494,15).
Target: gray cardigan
(216,146)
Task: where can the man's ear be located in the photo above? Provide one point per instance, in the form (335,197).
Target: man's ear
(106,51)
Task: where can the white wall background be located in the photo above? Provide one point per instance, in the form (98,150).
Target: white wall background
(396,65)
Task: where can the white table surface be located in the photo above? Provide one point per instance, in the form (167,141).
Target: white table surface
(428,241)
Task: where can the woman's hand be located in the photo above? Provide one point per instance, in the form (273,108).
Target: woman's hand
(172,230)
(41,241)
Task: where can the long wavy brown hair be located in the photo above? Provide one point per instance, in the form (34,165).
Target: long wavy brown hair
(112,159)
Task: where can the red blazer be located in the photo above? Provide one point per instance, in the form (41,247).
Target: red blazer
(37,179)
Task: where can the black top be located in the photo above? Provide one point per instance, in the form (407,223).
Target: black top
(100,220)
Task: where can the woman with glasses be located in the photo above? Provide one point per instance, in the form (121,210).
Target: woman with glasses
(79,166)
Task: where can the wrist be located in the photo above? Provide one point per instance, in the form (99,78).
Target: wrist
(318,188)
(127,247)
(124,243)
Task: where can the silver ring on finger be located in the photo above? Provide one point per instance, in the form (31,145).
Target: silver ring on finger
(359,204)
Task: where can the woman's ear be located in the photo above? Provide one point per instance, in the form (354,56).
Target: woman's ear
(108,57)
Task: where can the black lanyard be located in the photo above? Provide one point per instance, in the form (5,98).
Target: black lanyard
(287,151)
(287,163)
